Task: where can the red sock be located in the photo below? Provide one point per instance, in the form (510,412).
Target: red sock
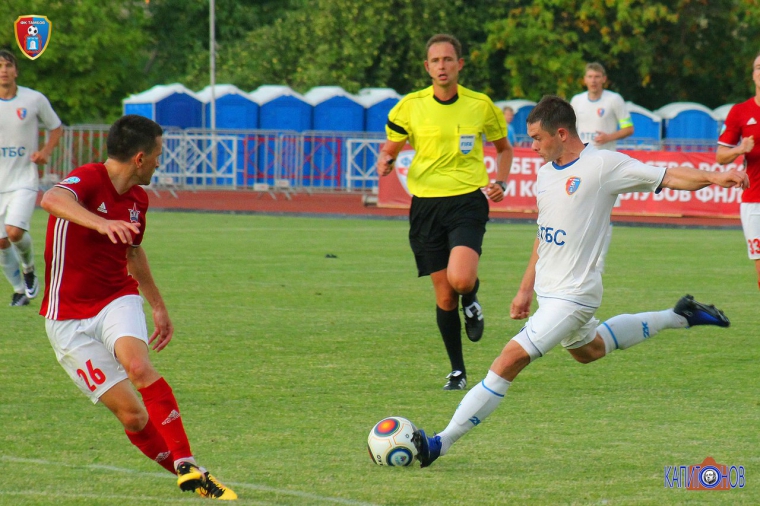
(153,446)
(164,413)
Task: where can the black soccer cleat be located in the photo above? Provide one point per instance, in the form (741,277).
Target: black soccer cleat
(457,380)
(697,313)
(31,285)
(473,321)
(19,299)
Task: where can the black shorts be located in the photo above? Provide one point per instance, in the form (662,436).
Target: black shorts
(437,224)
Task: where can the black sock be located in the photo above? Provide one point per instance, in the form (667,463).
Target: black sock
(451,332)
(469,298)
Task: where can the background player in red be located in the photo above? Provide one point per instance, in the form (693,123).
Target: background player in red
(93,310)
(737,138)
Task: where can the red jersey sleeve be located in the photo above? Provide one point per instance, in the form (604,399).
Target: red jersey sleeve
(732,129)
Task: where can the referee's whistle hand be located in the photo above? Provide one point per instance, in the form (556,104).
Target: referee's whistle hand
(494,192)
(385,164)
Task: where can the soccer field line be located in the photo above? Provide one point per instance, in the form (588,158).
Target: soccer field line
(164,476)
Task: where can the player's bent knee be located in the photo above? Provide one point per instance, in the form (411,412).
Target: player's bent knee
(133,421)
(141,372)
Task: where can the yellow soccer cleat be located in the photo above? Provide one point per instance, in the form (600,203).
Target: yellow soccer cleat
(212,488)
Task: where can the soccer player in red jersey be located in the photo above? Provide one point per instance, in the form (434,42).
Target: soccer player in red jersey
(737,137)
(92,305)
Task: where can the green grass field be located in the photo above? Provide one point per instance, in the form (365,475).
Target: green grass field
(283,360)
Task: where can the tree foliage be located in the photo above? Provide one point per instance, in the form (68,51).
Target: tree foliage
(655,52)
(95,57)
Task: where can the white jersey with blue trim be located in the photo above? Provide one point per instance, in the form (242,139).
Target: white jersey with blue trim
(20,121)
(574,206)
(602,115)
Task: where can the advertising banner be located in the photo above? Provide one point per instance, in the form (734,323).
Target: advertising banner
(520,196)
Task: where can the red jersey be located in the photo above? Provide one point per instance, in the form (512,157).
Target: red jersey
(743,120)
(84,270)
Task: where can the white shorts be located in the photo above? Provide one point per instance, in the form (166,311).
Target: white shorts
(750,213)
(557,321)
(85,348)
(16,209)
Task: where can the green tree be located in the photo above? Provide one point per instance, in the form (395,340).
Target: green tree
(95,57)
(179,51)
(350,43)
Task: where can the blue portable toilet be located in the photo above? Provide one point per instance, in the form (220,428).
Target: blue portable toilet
(377,102)
(281,108)
(273,157)
(522,108)
(335,109)
(647,128)
(235,109)
(721,113)
(688,120)
(169,105)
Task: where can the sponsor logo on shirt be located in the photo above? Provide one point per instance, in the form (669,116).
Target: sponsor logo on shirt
(71,180)
(21,112)
(752,121)
(13,151)
(572,184)
(102,208)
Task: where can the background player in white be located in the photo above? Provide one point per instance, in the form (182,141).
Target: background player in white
(603,119)
(22,111)
(575,191)
(93,311)
(738,137)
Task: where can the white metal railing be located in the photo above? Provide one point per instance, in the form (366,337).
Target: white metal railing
(263,160)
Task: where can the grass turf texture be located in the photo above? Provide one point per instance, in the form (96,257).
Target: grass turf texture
(283,360)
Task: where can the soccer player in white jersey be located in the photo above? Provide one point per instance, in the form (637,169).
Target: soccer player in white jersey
(22,111)
(602,120)
(575,190)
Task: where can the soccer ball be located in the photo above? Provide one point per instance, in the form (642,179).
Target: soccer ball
(390,442)
(32,30)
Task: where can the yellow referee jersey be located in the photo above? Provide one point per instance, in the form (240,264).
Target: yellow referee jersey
(447,138)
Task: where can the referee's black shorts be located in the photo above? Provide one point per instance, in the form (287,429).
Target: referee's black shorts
(437,224)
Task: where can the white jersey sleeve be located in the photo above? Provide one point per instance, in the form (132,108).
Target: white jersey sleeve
(21,118)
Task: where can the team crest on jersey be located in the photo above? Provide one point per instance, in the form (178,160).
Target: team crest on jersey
(134,214)
(466,143)
(572,184)
(21,112)
(71,180)
(600,112)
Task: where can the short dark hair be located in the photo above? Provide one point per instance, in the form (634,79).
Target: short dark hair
(553,112)
(131,134)
(8,56)
(444,37)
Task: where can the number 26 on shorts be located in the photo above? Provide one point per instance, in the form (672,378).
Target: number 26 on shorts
(92,377)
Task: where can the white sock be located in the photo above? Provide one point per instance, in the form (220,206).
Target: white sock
(186,459)
(10,267)
(25,252)
(480,401)
(626,330)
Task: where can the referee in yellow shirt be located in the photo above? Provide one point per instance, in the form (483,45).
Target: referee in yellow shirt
(445,125)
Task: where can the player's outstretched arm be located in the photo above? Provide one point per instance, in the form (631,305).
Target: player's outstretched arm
(520,308)
(63,204)
(688,178)
(137,264)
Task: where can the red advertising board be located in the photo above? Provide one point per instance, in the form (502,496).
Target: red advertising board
(520,194)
